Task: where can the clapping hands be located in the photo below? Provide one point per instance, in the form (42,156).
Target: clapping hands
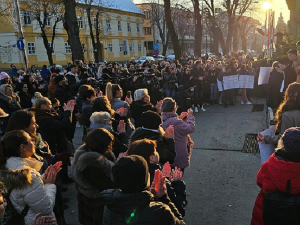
(51,172)
(158,186)
(169,132)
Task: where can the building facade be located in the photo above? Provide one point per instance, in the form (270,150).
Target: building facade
(294,22)
(122,36)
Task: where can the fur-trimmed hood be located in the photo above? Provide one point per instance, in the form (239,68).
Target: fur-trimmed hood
(16,178)
(84,159)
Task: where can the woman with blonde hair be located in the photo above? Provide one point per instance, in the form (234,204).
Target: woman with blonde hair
(114,93)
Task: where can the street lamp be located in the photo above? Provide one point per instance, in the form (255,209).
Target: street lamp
(266,5)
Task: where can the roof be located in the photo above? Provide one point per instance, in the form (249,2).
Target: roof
(123,5)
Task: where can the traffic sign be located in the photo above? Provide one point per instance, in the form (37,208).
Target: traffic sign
(20,44)
(156,52)
(156,46)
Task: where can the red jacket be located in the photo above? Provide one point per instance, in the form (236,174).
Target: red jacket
(274,175)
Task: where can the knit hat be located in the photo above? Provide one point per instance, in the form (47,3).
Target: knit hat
(291,139)
(131,174)
(58,78)
(151,120)
(3,75)
(168,105)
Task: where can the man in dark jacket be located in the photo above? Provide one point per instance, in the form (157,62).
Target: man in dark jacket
(152,130)
(132,203)
(274,86)
(289,71)
(198,75)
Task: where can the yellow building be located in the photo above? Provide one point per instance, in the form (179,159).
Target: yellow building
(121,36)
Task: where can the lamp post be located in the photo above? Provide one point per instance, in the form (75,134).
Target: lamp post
(266,7)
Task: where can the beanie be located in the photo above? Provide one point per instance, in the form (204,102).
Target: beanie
(131,174)
(151,120)
(58,78)
(291,139)
(3,75)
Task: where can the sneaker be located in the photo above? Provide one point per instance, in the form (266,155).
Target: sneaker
(77,124)
(248,103)
(193,106)
(196,109)
(220,102)
(202,109)
(242,102)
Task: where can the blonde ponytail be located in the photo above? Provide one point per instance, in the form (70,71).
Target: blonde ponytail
(109,93)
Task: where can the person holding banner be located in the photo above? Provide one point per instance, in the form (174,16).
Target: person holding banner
(244,100)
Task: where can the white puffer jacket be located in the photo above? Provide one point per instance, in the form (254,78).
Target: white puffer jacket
(40,197)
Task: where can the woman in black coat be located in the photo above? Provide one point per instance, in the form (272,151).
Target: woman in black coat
(25,97)
(51,127)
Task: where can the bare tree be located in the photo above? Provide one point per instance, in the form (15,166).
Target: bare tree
(47,13)
(172,32)
(198,27)
(72,28)
(158,20)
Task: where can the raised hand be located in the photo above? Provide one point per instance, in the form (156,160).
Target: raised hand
(166,170)
(158,187)
(122,154)
(183,115)
(190,112)
(176,174)
(169,132)
(158,106)
(69,106)
(128,100)
(121,127)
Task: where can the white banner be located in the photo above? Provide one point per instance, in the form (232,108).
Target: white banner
(264,74)
(246,81)
(231,82)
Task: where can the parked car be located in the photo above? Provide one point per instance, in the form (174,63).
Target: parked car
(170,57)
(159,57)
(60,67)
(142,59)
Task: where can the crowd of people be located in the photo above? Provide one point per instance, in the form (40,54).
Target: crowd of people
(137,119)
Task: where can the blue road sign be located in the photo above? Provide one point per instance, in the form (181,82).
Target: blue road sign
(156,46)
(20,44)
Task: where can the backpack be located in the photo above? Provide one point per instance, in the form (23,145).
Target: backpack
(281,207)
(12,215)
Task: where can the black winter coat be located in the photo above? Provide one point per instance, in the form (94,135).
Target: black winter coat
(139,208)
(137,108)
(274,85)
(25,100)
(63,94)
(53,130)
(165,147)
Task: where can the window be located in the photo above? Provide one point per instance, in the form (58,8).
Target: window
(130,48)
(139,47)
(27,19)
(95,23)
(148,15)
(68,48)
(138,28)
(108,24)
(121,47)
(50,44)
(80,22)
(128,27)
(31,48)
(110,47)
(119,26)
(147,30)
(48,20)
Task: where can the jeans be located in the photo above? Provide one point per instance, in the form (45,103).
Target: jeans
(170,93)
(213,92)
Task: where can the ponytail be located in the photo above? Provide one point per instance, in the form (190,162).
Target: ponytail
(109,93)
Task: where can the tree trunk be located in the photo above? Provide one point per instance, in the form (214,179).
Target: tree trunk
(171,29)
(198,29)
(165,45)
(88,13)
(71,26)
(230,33)
(46,42)
(235,38)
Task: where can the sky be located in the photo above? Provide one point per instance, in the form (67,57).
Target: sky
(276,5)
